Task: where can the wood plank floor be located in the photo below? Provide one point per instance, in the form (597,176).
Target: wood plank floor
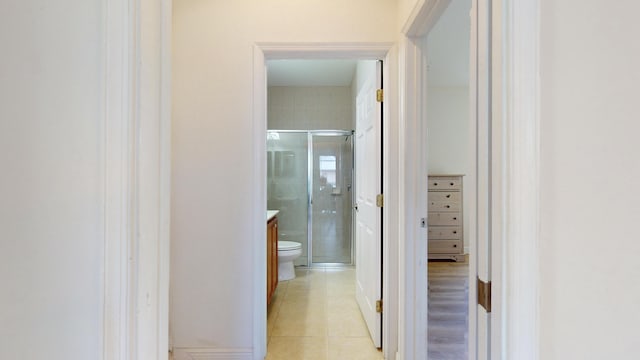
(448,310)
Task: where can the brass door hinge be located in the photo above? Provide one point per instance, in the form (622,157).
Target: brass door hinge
(379,95)
(484,294)
(380,200)
(379,306)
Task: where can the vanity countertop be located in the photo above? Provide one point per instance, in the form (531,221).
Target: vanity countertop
(271,214)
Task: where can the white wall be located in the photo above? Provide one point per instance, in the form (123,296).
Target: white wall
(309,108)
(448,46)
(212,148)
(590,173)
(448,130)
(51,188)
(405,8)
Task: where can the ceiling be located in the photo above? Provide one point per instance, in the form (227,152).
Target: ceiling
(310,72)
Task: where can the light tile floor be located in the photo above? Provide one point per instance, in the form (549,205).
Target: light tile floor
(315,316)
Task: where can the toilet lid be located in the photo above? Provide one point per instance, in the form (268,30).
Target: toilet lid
(289,245)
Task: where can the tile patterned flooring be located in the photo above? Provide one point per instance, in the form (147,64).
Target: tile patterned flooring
(300,325)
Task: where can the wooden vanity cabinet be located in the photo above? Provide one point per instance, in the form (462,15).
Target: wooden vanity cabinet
(272,257)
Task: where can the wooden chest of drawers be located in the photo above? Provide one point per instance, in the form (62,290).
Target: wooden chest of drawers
(446,239)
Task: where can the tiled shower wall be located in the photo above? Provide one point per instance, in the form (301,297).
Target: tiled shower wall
(310,108)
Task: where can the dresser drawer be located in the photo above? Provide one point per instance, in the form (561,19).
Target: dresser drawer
(444,206)
(445,183)
(444,218)
(445,233)
(444,196)
(445,246)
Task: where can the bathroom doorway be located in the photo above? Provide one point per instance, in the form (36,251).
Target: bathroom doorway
(310,183)
(312,179)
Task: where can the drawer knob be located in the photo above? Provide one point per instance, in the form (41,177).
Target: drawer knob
(435,184)
(455,245)
(455,232)
(448,196)
(451,184)
(448,206)
(455,218)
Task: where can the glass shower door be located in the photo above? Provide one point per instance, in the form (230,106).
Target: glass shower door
(331,207)
(287,186)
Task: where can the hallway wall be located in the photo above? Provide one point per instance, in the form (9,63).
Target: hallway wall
(590,168)
(448,126)
(51,187)
(212,289)
(404,10)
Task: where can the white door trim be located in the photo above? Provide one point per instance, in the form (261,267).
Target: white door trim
(423,17)
(413,247)
(516,32)
(119,122)
(137,132)
(470,205)
(263,52)
(413,171)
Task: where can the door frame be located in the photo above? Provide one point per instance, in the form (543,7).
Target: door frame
(413,274)
(516,77)
(514,184)
(365,51)
(137,174)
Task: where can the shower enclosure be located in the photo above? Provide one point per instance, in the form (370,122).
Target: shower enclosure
(310,180)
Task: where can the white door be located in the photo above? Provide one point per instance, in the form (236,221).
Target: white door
(481,61)
(368,215)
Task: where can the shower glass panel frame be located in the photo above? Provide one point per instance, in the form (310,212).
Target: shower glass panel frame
(329,193)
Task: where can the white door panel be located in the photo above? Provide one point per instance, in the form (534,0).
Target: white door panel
(481,12)
(368,215)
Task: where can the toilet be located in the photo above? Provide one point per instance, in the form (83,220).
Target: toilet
(287,252)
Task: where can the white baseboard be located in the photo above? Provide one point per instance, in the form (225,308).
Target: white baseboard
(212,354)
